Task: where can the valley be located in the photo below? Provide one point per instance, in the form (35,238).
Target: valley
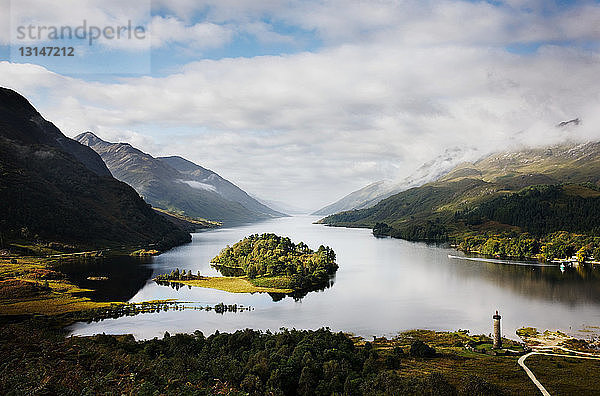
(203,257)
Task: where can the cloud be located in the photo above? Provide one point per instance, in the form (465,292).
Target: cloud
(198,185)
(170,30)
(396,84)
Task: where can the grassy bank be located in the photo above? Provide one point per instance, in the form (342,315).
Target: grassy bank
(29,286)
(237,284)
(563,375)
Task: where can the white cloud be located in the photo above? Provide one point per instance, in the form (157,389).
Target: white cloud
(170,30)
(198,185)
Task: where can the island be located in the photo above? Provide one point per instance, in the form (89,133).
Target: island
(265,263)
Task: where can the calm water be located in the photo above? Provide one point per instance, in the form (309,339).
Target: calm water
(382,286)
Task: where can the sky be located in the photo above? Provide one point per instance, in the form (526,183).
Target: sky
(306,101)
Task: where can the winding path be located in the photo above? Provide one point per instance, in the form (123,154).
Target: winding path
(537,383)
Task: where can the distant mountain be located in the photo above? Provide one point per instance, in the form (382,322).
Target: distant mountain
(53,189)
(359,198)
(437,209)
(375,192)
(282,207)
(178,185)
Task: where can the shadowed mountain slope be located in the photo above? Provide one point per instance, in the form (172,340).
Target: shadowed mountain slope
(54,189)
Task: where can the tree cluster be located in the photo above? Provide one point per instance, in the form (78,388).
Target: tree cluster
(557,245)
(541,210)
(176,275)
(247,362)
(270,255)
(428,230)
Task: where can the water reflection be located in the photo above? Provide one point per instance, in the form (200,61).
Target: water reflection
(117,278)
(296,295)
(580,284)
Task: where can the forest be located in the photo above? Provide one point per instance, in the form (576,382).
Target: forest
(541,210)
(548,222)
(545,222)
(37,359)
(276,257)
(557,245)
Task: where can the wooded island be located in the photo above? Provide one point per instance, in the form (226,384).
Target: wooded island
(265,263)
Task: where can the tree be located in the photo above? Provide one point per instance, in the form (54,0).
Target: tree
(583,254)
(420,349)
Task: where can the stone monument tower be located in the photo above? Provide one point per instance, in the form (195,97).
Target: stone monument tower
(497,336)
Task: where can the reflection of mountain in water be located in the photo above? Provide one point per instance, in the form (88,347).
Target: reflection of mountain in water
(574,285)
(126,276)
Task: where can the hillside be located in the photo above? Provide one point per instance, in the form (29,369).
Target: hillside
(54,189)
(186,223)
(197,174)
(500,193)
(178,185)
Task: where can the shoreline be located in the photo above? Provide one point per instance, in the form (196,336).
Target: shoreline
(30,286)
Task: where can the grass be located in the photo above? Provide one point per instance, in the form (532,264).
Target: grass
(29,286)
(232,284)
(455,362)
(193,220)
(581,191)
(527,332)
(145,252)
(566,376)
(33,248)
(275,282)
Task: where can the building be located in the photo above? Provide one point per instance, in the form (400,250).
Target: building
(497,335)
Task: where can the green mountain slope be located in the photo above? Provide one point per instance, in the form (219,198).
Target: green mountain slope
(54,189)
(486,196)
(178,185)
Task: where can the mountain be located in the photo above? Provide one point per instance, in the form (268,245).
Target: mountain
(178,185)
(53,189)
(282,207)
(375,192)
(473,194)
(358,198)
(196,174)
